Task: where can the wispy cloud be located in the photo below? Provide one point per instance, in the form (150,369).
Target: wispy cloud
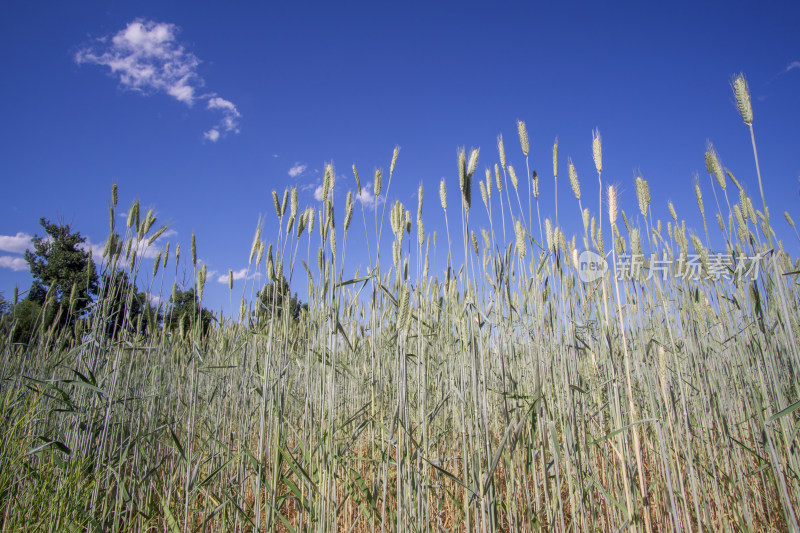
(318,193)
(230,118)
(16,244)
(146,57)
(14,263)
(791,66)
(367,199)
(238,274)
(297,169)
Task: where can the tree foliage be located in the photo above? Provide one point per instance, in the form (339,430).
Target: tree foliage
(278,296)
(124,307)
(185,311)
(62,270)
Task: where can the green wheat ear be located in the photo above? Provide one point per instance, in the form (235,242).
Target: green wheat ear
(643,194)
(612,204)
(502,150)
(114,195)
(519,233)
(133,214)
(276,203)
(443,194)
(523,137)
(513,175)
(260,253)
(327,181)
(348,210)
(473,162)
(713,166)
(283,201)
(548,230)
(394,160)
(573,179)
(597,150)
(358,181)
(310,214)
(699,194)
(555,158)
(378,182)
(462,172)
(742,93)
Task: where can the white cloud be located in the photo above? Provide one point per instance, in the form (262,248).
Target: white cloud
(367,199)
(154,299)
(146,57)
(96,249)
(141,247)
(297,169)
(167,234)
(14,263)
(791,66)
(16,244)
(318,193)
(237,275)
(230,118)
(221,103)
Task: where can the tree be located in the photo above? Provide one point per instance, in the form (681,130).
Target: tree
(62,269)
(278,296)
(185,311)
(25,319)
(5,307)
(123,307)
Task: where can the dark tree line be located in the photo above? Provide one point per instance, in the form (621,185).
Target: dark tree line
(66,289)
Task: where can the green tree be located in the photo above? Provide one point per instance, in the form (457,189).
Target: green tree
(124,308)
(27,319)
(185,311)
(5,307)
(278,296)
(61,270)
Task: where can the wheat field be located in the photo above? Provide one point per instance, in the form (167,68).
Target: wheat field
(501,391)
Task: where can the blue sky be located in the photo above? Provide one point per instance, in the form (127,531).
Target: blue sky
(245,93)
